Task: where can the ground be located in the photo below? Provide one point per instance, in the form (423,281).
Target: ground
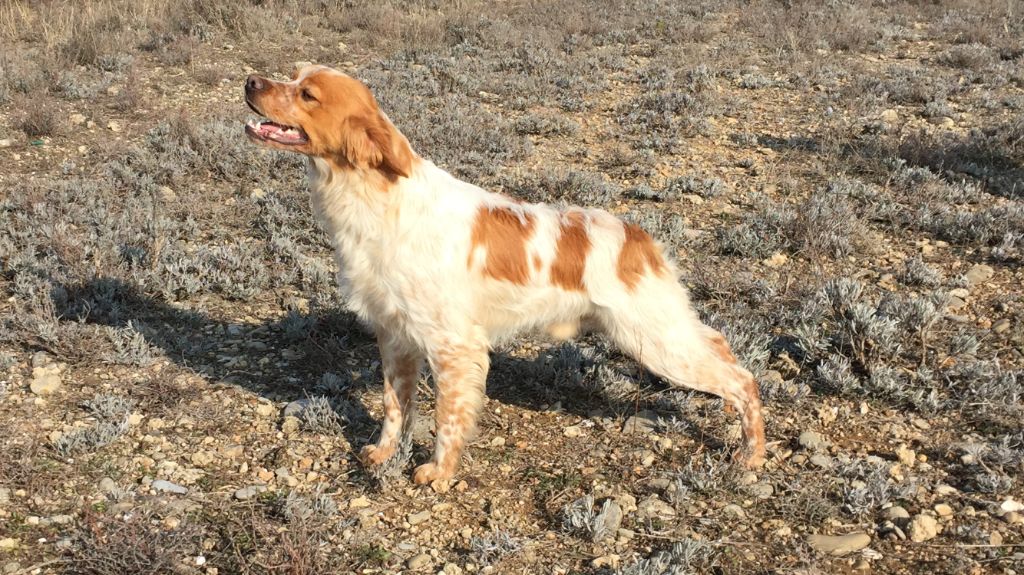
(840,183)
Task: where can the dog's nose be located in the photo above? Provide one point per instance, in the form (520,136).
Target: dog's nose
(254,84)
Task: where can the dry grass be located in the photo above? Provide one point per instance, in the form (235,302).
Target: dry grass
(825,174)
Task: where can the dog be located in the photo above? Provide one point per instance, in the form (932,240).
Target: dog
(442,270)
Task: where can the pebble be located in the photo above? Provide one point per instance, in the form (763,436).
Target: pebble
(417,518)
(761,490)
(821,460)
(77,119)
(359,502)
(943,510)
(923,528)
(167,194)
(733,510)
(839,545)
(8,543)
(813,440)
(249,492)
(1001,325)
(643,422)
(108,485)
(295,408)
(979,274)
(168,487)
(419,561)
(265,409)
(889,116)
(572,431)
(114,126)
(45,380)
(1013,517)
(654,507)
(896,514)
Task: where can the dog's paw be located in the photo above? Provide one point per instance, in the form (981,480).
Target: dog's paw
(430,472)
(751,459)
(372,455)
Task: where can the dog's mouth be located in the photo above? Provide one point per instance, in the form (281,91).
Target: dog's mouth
(270,131)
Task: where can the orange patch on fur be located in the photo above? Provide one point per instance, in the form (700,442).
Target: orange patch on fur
(503,234)
(639,253)
(721,348)
(537,263)
(571,253)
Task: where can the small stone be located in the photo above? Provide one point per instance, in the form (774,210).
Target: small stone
(6,143)
(979,274)
(12,567)
(1013,517)
(955,303)
(295,408)
(643,422)
(498,442)
(76,119)
(41,359)
(923,528)
(8,543)
(943,510)
(114,126)
(167,194)
(201,458)
(419,561)
(246,493)
(1011,505)
(839,545)
(417,518)
(108,485)
(45,381)
(572,431)
(777,260)
(654,507)
(610,561)
(896,514)
(233,451)
(733,510)
(1001,325)
(359,502)
(821,460)
(265,409)
(906,456)
(944,489)
(813,440)
(889,116)
(761,490)
(291,425)
(167,487)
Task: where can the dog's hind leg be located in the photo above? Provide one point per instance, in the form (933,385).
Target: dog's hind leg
(656,326)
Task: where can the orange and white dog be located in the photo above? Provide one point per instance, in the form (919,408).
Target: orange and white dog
(441,269)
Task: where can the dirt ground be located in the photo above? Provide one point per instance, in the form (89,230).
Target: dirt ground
(840,183)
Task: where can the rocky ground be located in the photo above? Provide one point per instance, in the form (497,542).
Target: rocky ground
(840,184)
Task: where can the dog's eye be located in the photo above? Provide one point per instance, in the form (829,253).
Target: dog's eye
(307,95)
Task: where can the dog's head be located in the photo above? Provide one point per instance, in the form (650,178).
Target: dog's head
(326,114)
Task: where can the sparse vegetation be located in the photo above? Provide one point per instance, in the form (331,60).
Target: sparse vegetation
(838,184)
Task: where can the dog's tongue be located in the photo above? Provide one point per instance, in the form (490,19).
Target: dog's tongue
(280,133)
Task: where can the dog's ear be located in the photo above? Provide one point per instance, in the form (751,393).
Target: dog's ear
(375,143)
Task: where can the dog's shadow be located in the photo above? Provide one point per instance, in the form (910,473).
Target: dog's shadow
(286,359)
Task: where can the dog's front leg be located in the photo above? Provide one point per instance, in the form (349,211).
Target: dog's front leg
(460,373)
(401,365)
